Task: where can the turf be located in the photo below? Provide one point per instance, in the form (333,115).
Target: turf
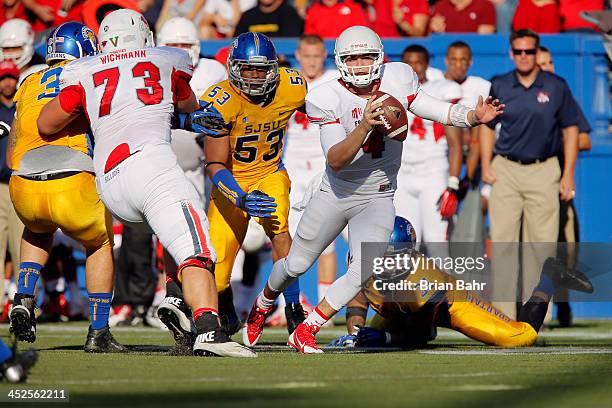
(568,368)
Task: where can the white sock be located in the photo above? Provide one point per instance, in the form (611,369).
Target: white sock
(7,286)
(316,318)
(322,288)
(263,302)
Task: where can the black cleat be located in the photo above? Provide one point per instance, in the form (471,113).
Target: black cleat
(174,313)
(218,343)
(231,324)
(566,277)
(22,318)
(102,341)
(294,313)
(15,369)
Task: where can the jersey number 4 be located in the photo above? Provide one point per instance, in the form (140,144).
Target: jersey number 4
(152,94)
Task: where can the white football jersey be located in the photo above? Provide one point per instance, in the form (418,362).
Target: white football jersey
(472,88)
(208,72)
(426,139)
(374,168)
(302,148)
(128,96)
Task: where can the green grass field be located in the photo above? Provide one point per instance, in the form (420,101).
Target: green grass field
(568,368)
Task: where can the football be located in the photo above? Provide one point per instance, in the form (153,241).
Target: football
(395,120)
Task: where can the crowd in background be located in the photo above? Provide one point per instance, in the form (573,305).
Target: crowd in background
(326,18)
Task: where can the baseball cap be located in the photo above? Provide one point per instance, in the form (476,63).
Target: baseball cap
(8,68)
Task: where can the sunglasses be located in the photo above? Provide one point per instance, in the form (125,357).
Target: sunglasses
(530,51)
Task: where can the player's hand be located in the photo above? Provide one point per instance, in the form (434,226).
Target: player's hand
(447,203)
(348,340)
(5,129)
(370,337)
(489,175)
(371,114)
(567,188)
(487,110)
(207,120)
(257,204)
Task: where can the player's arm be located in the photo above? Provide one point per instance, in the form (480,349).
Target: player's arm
(340,150)
(487,142)
(55,116)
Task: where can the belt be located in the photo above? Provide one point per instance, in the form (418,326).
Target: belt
(526,162)
(52,176)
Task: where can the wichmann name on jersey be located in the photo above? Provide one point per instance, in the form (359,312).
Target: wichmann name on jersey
(121,55)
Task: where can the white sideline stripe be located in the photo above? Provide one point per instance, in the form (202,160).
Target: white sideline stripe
(487,387)
(524,350)
(277,385)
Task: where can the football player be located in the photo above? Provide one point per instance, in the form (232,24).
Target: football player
(431,161)
(410,318)
(245,119)
(52,186)
(303,157)
(128,94)
(17,43)
(361,173)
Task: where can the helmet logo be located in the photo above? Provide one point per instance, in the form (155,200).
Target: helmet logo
(87,33)
(114,41)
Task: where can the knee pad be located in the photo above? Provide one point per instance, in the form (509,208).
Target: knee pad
(199,261)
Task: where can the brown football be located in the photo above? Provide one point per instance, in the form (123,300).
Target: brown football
(394,117)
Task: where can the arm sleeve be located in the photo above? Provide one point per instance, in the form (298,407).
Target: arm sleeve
(227,107)
(320,111)
(181,75)
(72,94)
(488,16)
(428,107)
(583,123)
(568,112)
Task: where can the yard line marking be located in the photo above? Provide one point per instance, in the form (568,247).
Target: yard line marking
(487,387)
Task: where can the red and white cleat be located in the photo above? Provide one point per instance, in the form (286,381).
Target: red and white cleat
(253,328)
(303,339)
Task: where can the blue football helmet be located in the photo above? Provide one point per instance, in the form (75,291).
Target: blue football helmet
(253,50)
(403,232)
(71,41)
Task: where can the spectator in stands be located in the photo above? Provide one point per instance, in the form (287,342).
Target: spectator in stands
(541,16)
(568,216)
(395,18)
(12,9)
(539,120)
(463,16)
(570,14)
(328,18)
(46,14)
(504,11)
(190,9)
(221,16)
(274,18)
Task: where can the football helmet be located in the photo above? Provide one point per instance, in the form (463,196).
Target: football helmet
(124,29)
(257,51)
(17,35)
(179,30)
(71,41)
(359,40)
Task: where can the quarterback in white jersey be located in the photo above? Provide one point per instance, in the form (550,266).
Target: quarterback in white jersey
(361,173)
(302,154)
(129,93)
(429,151)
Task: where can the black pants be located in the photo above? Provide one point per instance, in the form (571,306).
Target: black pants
(135,279)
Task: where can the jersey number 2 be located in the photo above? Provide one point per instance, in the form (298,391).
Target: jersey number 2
(151,94)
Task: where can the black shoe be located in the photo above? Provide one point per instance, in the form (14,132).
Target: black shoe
(564,314)
(176,315)
(102,341)
(16,368)
(231,324)
(294,312)
(565,277)
(217,343)
(22,318)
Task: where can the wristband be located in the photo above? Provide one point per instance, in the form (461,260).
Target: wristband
(227,185)
(453,182)
(356,312)
(459,116)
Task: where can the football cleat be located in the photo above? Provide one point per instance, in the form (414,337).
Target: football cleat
(102,341)
(22,318)
(218,343)
(294,312)
(566,277)
(253,328)
(174,313)
(303,339)
(15,369)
